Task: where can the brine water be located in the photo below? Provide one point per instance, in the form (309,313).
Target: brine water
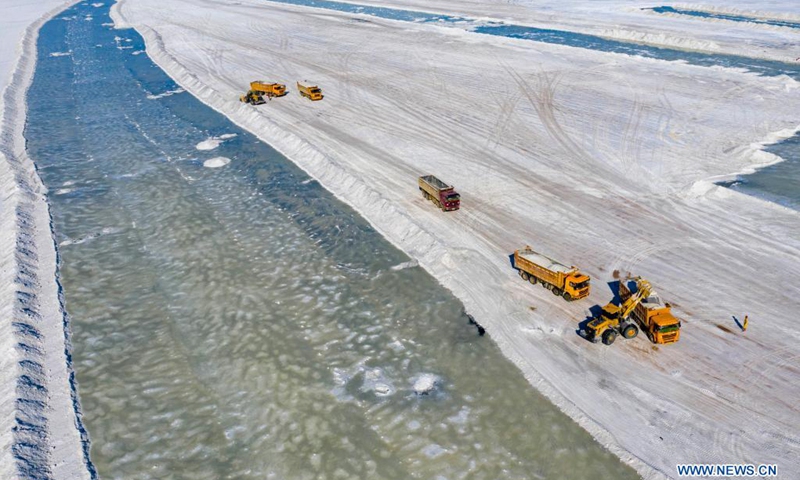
(232,320)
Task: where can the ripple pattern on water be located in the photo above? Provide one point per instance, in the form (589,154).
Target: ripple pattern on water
(240,322)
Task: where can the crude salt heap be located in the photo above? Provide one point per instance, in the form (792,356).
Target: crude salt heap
(425,384)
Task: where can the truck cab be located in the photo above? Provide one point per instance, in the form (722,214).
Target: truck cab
(657,320)
(451,200)
(311,92)
(577,286)
(314,93)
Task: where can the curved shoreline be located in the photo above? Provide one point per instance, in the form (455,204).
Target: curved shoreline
(403,231)
(427,249)
(35,249)
(46,437)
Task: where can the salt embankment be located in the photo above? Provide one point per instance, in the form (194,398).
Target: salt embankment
(41,434)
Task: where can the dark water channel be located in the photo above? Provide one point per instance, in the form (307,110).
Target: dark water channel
(232,319)
(725,16)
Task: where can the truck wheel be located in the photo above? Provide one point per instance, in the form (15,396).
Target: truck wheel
(567,297)
(532,279)
(609,336)
(524,275)
(630,331)
(557,292)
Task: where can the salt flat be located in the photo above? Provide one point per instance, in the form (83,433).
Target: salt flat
(601,160)
(40,433)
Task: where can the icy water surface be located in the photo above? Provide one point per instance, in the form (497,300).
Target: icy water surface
(779,183)
(561,37)
(232,320)
(725,16)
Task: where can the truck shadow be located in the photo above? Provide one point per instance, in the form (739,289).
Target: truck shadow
(594,311)
(511,261)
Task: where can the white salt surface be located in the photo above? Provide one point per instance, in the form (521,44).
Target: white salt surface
(425,384)
(28,239)
(165,94)
(209,144)
(214,142)
(216,162)
(601,160)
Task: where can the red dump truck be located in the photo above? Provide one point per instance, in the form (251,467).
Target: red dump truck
(560,279)
(441,194)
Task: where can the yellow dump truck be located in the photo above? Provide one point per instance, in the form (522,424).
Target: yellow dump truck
(268,89)
(311,92)
(560,279)
(653,316)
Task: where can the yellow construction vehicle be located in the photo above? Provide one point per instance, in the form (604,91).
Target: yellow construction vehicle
(645,307)
(654,316)
(268,89)
(252,97)
(311,92)
(567,282)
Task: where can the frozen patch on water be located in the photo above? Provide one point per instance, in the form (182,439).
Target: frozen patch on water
(306,182)
(122,46)
(213,142)
(137,52)
(209,144)
(98,5)
(375,381)
(165,94)
(61,54)
(216,162)
(426,383)
(91,236)
(461,417)
(64,191)
(404,265)
(434,450)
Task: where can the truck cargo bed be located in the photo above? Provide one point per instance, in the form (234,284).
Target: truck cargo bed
(545,262)
(434,182)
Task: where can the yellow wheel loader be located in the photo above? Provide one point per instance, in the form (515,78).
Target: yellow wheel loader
(640,309)
(253,98)
(615,319)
